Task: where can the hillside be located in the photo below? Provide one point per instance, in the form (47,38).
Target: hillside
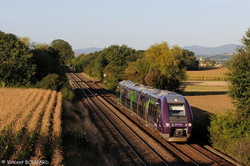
(209,51)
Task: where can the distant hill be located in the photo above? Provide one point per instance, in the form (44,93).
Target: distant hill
(87,50)
(209,51)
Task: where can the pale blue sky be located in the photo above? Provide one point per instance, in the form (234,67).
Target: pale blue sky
(136,23)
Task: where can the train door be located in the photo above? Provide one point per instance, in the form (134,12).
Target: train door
(123,96)
(157,117)
(141,107)
(147,109)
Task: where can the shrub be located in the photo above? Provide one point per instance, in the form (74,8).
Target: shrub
(229,133)
(67,93)
(51,81)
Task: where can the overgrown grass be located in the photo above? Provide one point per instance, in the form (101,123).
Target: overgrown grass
(77,141)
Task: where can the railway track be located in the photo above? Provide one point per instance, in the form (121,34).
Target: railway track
(151,144)
(144,154)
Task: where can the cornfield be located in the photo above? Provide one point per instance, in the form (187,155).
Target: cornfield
(30,126)
(216,74)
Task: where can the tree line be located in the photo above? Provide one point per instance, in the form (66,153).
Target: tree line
(27,64)
(160,66)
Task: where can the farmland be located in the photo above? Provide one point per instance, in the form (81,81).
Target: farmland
(207,74)
(207,98)
(30,126)
(210,95)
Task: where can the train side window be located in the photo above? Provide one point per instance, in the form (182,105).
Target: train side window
(128,103)
(134,106)
(152,110)
(123,100)
(141,111)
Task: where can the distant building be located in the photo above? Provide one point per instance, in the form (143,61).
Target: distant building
(229,53)
(201,64)
(218,65)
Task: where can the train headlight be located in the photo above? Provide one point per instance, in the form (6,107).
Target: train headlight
(167,124)
(189,124)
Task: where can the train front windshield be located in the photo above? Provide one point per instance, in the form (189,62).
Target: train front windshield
(177,110)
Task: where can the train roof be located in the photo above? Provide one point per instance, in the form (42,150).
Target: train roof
(157,93)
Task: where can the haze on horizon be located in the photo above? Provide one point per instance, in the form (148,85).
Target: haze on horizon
(138,24)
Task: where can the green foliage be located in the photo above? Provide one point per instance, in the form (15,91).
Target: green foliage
(137,71)
(112,62)
(232,130)
(189,60)
(239,78)
(84,62)
(160,66)
(16,65)
(67,92)
(229,133)
(43,58)
(113,74)
(64,50)
(51,81)
(166,68)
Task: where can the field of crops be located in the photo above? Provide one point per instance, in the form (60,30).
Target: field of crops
(30,126)
(206,74)
(210,95)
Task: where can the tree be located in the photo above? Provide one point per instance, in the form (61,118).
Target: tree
(81,62)
(16,65)
(239,77)
(137,71)
(209,62)
(189,60)
(231,130)
(43,60)
(64,50)
(113,62)
(165,63)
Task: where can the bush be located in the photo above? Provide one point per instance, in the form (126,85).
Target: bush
(51,81)
(67,93)
(229,133)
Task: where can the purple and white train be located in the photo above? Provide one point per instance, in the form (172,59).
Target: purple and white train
(167,112)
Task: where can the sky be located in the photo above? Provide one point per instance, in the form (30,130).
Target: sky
(135,23)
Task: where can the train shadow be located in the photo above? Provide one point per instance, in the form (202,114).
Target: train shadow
(204,93)
(201,124)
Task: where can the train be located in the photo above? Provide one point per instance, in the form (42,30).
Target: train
(166,112)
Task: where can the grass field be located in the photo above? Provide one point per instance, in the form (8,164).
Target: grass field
(30,126)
